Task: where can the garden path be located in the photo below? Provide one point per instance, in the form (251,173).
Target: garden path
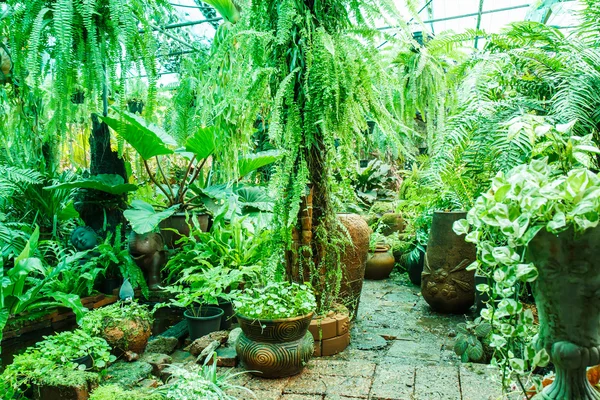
(400,350)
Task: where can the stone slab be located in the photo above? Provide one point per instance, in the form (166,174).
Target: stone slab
(479,382)
(364,369)
(393,382)
(437,383)
(423,350)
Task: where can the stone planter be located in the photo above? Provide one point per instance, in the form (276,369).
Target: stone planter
(275,348)
(380,263)
(331,332)
(566,295)
(177,222)
(446,285)
(354,260)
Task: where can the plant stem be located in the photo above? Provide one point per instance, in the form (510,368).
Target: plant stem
(165,178)
(182,186)
(194,177)
(156,183)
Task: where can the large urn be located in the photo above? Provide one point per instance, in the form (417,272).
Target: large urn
(446,284)
(567,295)
(275,348)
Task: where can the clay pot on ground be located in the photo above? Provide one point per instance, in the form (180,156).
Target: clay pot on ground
(175,227)
(128,335)
(354,260)
(380,263)
(567,297)
(331,332)
(446,285)
(203,321)
(275,348)
(392,223)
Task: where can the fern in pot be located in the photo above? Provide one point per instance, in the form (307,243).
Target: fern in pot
(538,223)
(274,318)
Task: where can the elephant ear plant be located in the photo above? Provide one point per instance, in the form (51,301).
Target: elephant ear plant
(555,193)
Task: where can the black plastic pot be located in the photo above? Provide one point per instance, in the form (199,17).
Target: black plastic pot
(414,266)
(85,360)
(207,321)
(227,318)
(108,285)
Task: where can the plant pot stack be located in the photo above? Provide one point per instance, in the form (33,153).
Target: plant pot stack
(446,285)
(275,348)
(331,332)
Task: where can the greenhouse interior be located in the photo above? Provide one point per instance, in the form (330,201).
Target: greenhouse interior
(299,199)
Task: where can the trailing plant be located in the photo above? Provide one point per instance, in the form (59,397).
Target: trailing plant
(555,192)
(96,322)
(52,357)
(275,300)
(470,340)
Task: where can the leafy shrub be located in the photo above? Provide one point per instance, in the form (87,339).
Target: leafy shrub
(97,321)
(275,300)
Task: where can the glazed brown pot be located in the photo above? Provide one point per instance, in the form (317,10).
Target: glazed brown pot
(178,223)
(354,260)
(566,293)
(380,263)
(275,348)
(446,285)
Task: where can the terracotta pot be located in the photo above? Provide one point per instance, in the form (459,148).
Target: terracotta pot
(567,297)
(128,335)
(380,263)
(392,223)
(446,285)
(275,348)
(354,260)
(178,222)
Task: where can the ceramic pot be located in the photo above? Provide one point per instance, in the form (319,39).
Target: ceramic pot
(177,222)
(275,348)
(380,263)
(414,266)
(567,294)
(85,360)
(354,260)
(206,320)
(446,285)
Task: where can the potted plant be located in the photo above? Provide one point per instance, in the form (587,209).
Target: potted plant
(126,327)
(77,347)
(380,261)
(274,318)
(538,224)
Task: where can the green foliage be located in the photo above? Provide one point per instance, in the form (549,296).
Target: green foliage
(113,184)
(51,361)
(143,218)
(112,392)
(202,382)
(547,195)
(275,300)
(470,339)
(96,321)
(375,182)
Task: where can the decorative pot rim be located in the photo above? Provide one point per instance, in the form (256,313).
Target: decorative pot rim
(219,313)
(382,247)
(277,320)
(450,212)
(183,214)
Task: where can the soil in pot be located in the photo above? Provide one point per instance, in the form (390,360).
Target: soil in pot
(275,348)
(446,284)
(175,227)
(380,263)
(203,321)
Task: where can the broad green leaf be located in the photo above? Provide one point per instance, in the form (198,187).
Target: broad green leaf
(109,183)
(460,346)
(541,359)
(252,162)
(476,351)
(483,329)
(143,218)
(460,227)
(71,301)
(527,272)
(202,142)
(566,128)
(226,8)
(147,139)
